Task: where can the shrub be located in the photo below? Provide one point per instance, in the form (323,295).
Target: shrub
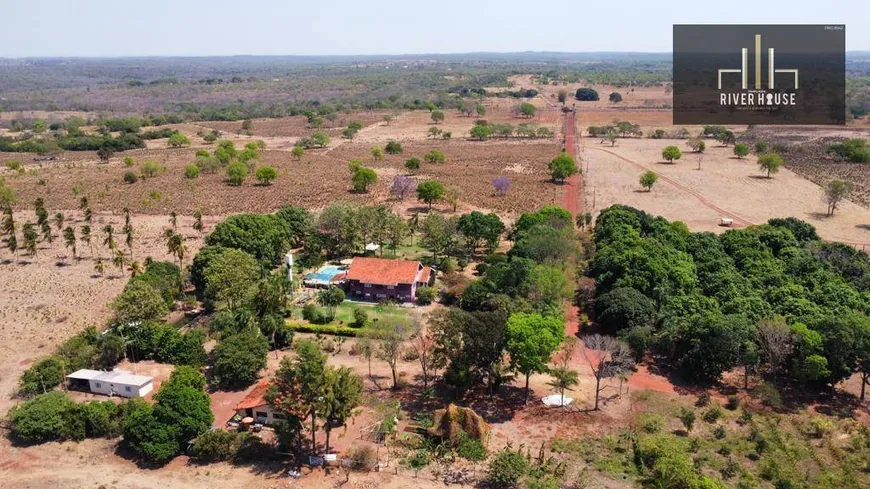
(687,417)
(150,169)
(393,147)
(128,161)
(704,399)
(360,318)
(237,172)
(42,376)
(324,329)
(819,427)
(713,414)
(671,154)
(362,458)
(217,446)
(507,468)
(719,432)
(191,171)
(315,314)
(266,174)
(130,177)
(412,164)
(652,423)
(733,403)
(425,295)
(50,416)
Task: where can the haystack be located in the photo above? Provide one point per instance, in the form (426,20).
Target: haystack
(448,424)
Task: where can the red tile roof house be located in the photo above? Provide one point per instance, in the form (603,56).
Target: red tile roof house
(254,405)
(377,279)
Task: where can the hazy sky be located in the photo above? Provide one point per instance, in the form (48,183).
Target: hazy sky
(219,27)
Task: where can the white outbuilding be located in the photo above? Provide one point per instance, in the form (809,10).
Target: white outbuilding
(114,383)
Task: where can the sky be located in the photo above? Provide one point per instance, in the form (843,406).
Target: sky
(290,27)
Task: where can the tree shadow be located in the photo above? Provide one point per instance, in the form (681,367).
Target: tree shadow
(760,177)
(865,227)
(819,215)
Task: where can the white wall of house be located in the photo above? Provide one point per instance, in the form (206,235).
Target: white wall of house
(262,414)
(119,389)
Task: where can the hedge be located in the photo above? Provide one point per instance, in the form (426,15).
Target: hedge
(325,329)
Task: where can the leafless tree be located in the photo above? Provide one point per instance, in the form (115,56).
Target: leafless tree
(607,357)
(391,333)
(423,343)
(776,342)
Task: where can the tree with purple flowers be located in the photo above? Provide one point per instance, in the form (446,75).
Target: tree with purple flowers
(501,184)
(402,186)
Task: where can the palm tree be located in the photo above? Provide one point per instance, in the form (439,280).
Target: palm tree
(46,232)
(89,215)
(109,240)
(83,203)
(126,216)
(564,379)
(135,269)
(128,232)
(173,219)
(69,236)
(119,260)
(30,238)
(197,224)
(58,220)
(99,267)
(86,237)
(176,247)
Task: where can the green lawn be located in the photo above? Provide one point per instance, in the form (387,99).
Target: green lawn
(344,312)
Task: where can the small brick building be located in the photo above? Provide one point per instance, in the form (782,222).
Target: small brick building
(378,279)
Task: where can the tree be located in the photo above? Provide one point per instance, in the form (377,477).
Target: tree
(402,186)
(437,116)
(480,109)
(109,240)
(177,140)
(230,278)
(648,179)
(30,238)
(342,393)
(624,308)
(478,228)
(687,417)
(176,247)
(297,152)
(393,147)
(412,164)
(139,302)
(481,131)
(835,192)
(697,145)
(434,156)
(69,236)
(586,95)
(527,110)
(331,298)
(562,167)
(430,191)
(562,96)
(265,175)
(263,236)
(531,339)
(607,357)
(105,153)
(299,386)
(770,163)
(42,376)
(563,379)
(46,417)
(615,97)
(237,172)
(391,332)
(671,154)
(197,221)
(501,184)
(239,358)
(377,153)
(741,150)
(320,138)
(362,178)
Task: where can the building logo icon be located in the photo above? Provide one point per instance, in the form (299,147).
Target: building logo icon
(771,70)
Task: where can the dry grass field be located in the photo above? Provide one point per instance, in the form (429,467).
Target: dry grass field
(724,187)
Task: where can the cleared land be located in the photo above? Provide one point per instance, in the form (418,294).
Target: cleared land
(724,187)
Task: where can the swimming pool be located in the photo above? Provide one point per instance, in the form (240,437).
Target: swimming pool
(324,275)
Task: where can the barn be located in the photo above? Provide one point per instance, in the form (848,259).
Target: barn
(114,383)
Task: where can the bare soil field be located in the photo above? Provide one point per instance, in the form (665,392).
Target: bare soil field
(319,178)
(296,126)
(724,187)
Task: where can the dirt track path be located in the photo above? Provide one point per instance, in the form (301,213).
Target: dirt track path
(706,203)
(571,195)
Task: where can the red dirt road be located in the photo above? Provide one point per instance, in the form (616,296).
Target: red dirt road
(571,196)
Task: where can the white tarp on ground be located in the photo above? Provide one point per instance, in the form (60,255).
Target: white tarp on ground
(556,400)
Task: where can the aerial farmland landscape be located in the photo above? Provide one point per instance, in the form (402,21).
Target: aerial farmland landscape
(252,264)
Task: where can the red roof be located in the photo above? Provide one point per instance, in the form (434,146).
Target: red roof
(381,271)
(424,275)
(255,398)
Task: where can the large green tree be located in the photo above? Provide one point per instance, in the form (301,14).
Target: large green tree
(531,339)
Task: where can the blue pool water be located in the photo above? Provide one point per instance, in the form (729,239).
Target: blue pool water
(324,274)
